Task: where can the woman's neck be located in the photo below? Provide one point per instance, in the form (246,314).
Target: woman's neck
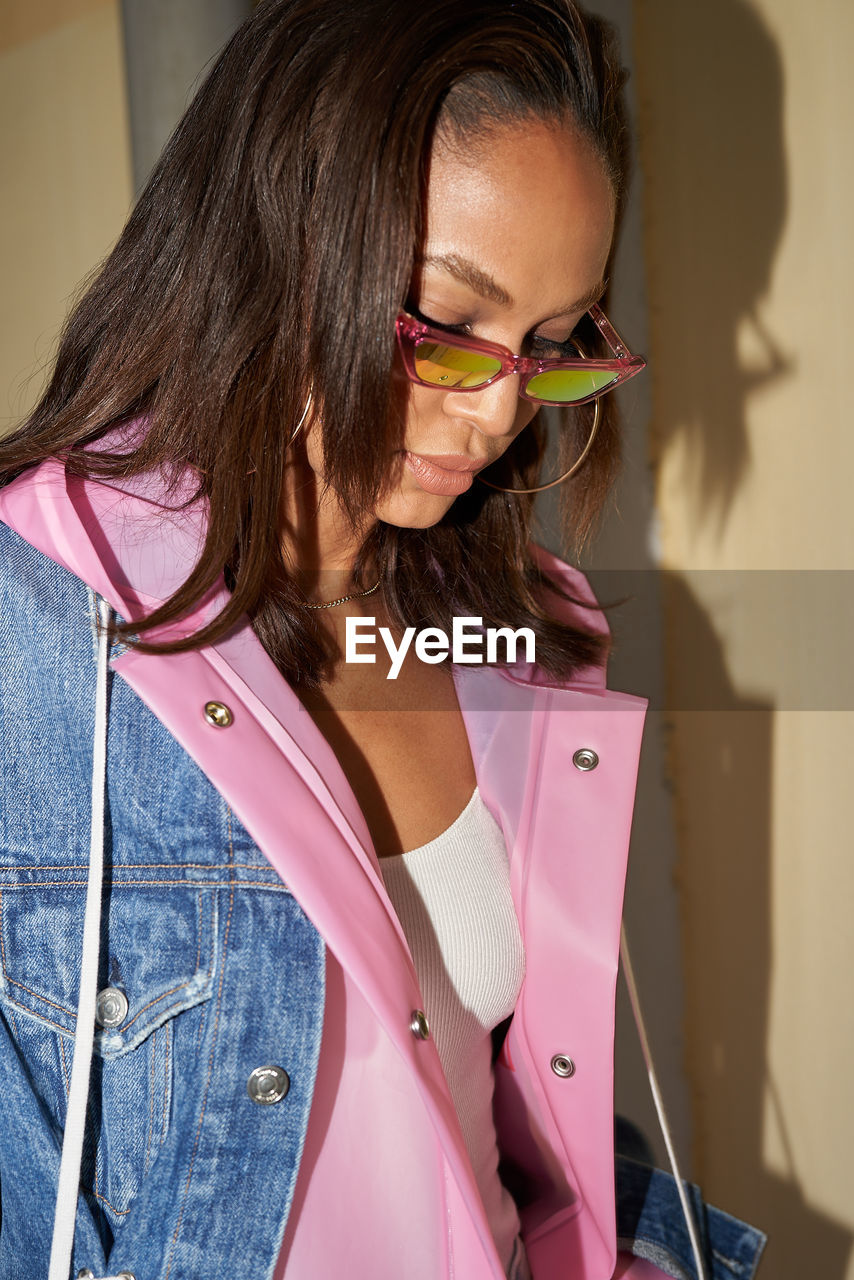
(319,544)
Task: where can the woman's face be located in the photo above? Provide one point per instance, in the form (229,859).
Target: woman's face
(518,230)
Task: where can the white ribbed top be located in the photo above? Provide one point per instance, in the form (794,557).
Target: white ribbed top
(452,897)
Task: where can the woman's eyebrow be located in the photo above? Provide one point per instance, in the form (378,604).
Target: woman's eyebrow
(469,274)
(586,300)
(482,283)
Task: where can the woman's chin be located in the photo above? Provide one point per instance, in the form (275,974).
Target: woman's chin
(414,509)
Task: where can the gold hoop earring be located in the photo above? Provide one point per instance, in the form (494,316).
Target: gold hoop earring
(303,417)
(566,475)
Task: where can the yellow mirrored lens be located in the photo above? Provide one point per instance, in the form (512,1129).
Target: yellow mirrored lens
(445,366)
(565,386)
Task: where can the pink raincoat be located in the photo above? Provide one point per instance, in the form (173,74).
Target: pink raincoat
(384,1156)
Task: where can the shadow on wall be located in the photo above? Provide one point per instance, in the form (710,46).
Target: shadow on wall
(721,748)
(711,149)
(725,751)
(710,92)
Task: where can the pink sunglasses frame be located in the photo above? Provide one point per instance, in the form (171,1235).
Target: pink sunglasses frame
(624,365)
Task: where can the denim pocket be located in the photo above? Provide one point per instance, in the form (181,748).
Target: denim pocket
(158,953)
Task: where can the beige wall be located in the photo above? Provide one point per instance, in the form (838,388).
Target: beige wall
(748,171)
(64,169)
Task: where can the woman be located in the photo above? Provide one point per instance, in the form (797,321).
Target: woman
(337,909)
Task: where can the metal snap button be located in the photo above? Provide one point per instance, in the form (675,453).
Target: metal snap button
(86,1274)
(218,714)
(563,1066)
(419,1026)
(111,1007)
(585,759)
(267,1085)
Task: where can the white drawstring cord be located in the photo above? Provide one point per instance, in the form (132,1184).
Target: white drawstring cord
(687,1210)
(62,1244)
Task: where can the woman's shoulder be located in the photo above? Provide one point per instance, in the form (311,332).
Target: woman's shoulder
(47,639)
(35,591)
(47,657)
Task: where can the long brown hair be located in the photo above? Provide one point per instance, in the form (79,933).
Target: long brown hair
(271,249)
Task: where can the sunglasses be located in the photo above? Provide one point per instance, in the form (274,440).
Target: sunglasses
(435,358)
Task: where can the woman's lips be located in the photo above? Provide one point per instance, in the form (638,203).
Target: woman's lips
(445,474)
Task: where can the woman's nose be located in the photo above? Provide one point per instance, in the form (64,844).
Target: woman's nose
(492,410)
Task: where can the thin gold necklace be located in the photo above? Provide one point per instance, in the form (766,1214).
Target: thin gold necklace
(356,595)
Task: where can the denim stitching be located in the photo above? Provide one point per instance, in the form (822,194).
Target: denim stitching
(154,884)
(157,1000)
(201,1027)
(168,1029)
(64,1067)
(62,1009)
(2,939)
(121,1212)
(43,1018)
(199,935)
(150,1103)
(11,981)
(14,1022)
(39,1017)
(90,1120)
(44,999)
(135,866)
(210,1069)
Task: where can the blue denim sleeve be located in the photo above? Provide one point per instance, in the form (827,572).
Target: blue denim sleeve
(651,1225)
(209,969)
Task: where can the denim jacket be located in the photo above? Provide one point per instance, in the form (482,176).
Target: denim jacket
(220,967)
(212,968)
